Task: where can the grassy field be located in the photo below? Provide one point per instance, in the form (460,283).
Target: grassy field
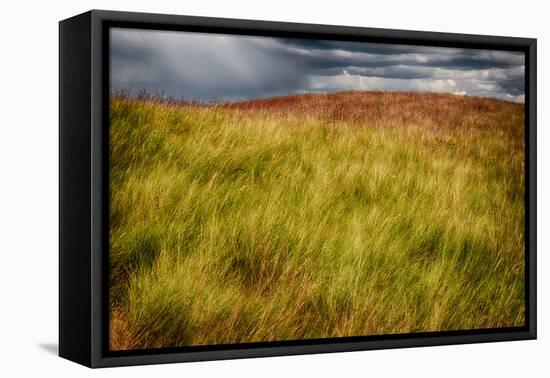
(314,216)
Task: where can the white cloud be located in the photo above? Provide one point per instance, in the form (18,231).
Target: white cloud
(509,97)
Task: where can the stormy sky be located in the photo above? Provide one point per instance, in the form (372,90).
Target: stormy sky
(215,67)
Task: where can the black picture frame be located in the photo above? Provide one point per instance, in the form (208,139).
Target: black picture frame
(83,194)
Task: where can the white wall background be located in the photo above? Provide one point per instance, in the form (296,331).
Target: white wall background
(29,189)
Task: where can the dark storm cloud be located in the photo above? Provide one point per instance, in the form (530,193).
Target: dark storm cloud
(373,48)
(212,67)
(513,86)
(201,66)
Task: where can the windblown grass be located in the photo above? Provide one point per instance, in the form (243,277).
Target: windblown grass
(314,216)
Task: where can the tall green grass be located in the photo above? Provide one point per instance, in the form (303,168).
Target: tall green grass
(231,226)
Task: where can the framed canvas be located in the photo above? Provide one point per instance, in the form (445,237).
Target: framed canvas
(234,188)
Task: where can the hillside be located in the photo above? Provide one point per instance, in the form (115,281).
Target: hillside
(431,110)
(314,216)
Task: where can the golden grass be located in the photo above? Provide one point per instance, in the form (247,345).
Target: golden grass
(314,216)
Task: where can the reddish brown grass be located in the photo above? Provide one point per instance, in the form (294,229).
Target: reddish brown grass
(434,111)
(386,108)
